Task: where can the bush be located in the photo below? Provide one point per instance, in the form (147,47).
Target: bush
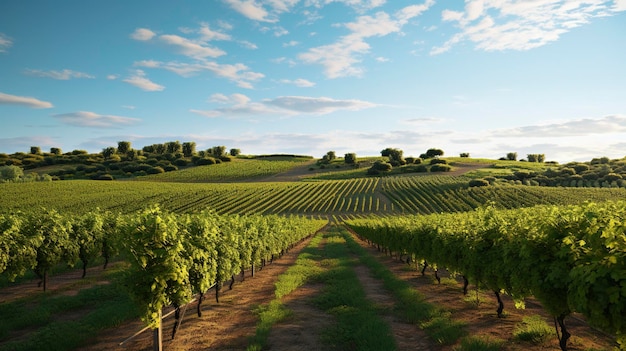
(155,170)
(181,162)
(478,182)
(105,177)
(205,161)
(436,161)
(440,168)
(170,168)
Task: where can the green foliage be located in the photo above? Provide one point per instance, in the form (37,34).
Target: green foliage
(350,158)
(570,258)
(158,277)
(11,173)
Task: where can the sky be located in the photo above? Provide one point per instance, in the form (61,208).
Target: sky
(484,77)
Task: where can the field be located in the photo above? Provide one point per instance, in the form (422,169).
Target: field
(255,315)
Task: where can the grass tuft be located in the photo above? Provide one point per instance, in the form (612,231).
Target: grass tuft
(533,329)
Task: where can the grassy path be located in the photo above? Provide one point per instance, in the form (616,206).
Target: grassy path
(366,306)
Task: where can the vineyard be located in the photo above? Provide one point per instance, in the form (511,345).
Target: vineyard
(571,258)
(350,198)
(181,234)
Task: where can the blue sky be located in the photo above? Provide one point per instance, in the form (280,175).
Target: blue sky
(486,77)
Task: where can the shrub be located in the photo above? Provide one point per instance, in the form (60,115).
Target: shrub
(105,177)
(478,182)
(181,162)
(155,170)
(440,168)
(436,161)
(205,161)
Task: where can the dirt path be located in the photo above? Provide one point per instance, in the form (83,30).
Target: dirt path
(407,336)
(224,326)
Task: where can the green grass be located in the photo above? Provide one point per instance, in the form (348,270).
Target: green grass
(304,269)
(533,329)
(358,325)
(48,322)
(480,343)
(410,304)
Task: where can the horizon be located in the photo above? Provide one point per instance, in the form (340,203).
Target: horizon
(311,76)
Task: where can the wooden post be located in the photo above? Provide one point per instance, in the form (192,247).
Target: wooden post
(157,341)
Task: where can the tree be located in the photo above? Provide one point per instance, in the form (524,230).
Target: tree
(536,158)
(217,151)
(464,154)
(189,148)
(396,157)
(511,156)
(123,147)
(350,158)
(330,155)
(235,152)
(173,147)
(107,152)
(430,153)
(55,151)
(35,150)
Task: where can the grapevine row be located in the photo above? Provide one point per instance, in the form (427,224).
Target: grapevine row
(172,256)
(571,258)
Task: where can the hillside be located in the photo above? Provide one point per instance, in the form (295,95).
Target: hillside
(299,187)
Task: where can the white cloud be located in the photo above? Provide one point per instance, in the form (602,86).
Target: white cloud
(382,59)
(251,9)
(139,80)
(190,48)
(302,83)
(5,42)
(112,76)
(578,127)
(248,45)
(91,119)
(237,73)
(142,34)
(521,25)
(282,105)
(207,34)
(235,99)
(358,5)
(291,43)
(65,74)
(6,99)
(339,59)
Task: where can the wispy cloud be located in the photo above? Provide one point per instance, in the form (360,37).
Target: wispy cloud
(5,42)
(358,5)
(190,48)
(142,34)
(139,80)
(65,74)
(521,25)
(252,10)
(300,82)
(6,99)
(238,73)
(283,105)
(92,119)
(579,127)
(340,58)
